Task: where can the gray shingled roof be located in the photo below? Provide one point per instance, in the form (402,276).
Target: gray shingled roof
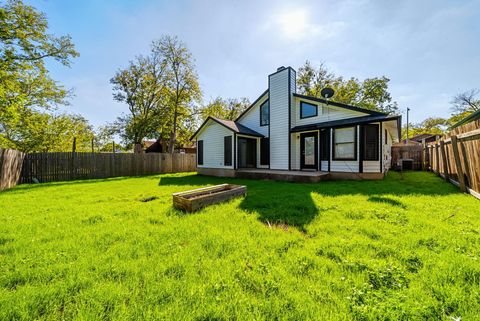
(232,125)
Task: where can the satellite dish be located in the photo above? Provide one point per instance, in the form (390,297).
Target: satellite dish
(327,93)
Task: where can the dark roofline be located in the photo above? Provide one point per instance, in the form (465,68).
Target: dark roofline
(333,103)
(235,130)
(251,106)
(348,121)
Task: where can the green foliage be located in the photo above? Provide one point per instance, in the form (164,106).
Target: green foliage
(161,91)
(371,93)
(221,108)
(25,84)
(431,125)
(44,132)
(91,250)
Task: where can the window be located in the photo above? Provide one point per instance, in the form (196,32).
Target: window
(344,143)
(265,113)
(324,144)
(200,152)
(370,141)
(265,151)
(227,151)
(308,110)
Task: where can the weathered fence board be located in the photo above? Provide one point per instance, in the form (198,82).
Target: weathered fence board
(10,167)
(51,167)
(461,162)
(411,152)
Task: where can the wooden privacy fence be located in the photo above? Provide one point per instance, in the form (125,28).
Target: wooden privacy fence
(10,167)
(411,153)
(50,167)
(456,157)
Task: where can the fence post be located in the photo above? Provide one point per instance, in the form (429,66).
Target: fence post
(444,160)
(437,158)
(458,163)
(467,166)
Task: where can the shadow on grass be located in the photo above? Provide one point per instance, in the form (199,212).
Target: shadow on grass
(292,203)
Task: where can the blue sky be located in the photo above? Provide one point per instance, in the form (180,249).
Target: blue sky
(429,49)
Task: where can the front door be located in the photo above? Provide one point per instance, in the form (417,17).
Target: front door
(247,156)
(309,150)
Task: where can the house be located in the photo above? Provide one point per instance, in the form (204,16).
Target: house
(419,139)
(285,132)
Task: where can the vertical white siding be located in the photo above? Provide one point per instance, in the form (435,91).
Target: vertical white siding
(344,166)
(251,119)
(213,139)
(325,113)
(295,151)
(279,94)
(387,148)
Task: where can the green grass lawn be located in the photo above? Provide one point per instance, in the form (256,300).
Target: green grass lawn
(398,249)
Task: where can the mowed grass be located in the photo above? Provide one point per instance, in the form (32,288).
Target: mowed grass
(405,248)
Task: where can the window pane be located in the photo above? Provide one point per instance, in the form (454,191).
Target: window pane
(264,113)
(346,150)
(307,110)
(345,135)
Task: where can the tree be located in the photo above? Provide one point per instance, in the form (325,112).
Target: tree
(182,83)
(43,132)
(466,102)
(142,86)
(161,91)
(228,109)
(371,93)
(25,84)
(431,125)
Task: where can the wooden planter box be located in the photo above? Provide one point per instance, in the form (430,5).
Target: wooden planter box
(196,199)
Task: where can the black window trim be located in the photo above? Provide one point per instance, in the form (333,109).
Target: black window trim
(364,142)
(260,113)
(301,109)
(355,143)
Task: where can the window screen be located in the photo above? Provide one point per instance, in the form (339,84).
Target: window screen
(227,151)
(200,152)
(344,143)
(371,142)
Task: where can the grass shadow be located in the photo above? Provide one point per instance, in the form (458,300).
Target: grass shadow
(386,200)
(292,203)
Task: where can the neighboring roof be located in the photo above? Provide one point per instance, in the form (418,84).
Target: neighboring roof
(427,137)
(473,116)
(333,103)
(251,106)
(349,121)
(229,124)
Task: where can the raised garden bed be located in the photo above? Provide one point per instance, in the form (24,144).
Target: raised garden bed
(196,199)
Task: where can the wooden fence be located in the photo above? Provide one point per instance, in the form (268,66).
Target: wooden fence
(456,157)
(10,167)
(50,167)
(407,152)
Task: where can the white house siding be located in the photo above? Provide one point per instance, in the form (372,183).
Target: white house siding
(344,166)
(325,113)
(278,85)
(295,151)
(387,148)
(213,139)
(251,118)
(324,166)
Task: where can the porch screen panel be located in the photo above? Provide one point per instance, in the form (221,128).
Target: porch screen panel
(200,152)
(227,151)
(371,140)
(264,151)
